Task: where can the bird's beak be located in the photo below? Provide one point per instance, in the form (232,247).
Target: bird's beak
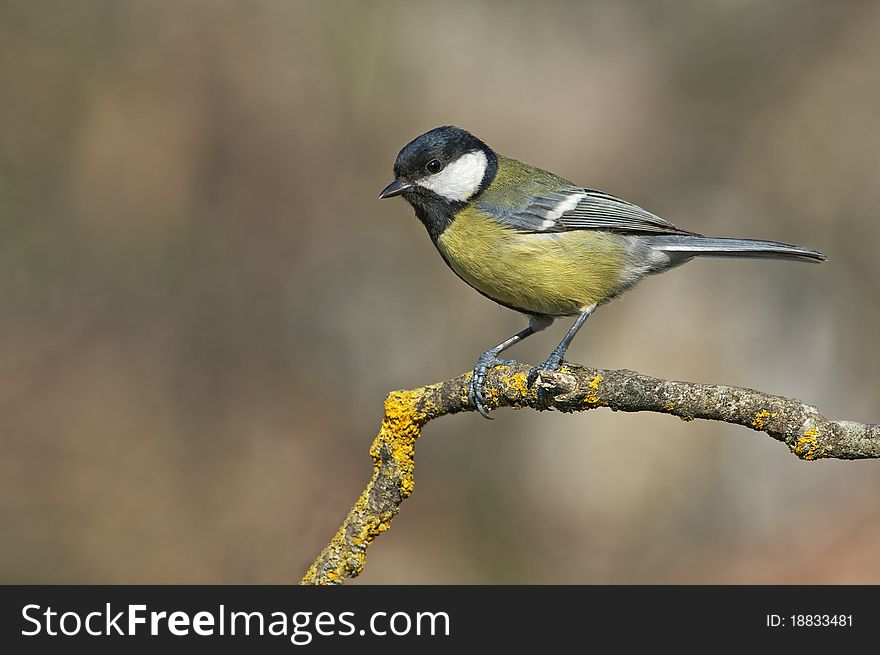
(397,187)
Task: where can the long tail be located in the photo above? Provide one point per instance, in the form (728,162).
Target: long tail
(687,246)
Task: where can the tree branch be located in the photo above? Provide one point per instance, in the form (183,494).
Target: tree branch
(801,427)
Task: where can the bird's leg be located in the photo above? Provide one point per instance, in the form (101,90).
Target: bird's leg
(489,359)
(555,359)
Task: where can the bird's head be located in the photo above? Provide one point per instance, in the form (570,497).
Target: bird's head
(446,164)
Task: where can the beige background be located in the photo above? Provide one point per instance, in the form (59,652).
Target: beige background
(203,304)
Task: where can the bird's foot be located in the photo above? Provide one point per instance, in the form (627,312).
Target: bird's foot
(476,393)
(553,362)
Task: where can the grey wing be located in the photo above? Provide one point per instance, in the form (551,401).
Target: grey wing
(586,209)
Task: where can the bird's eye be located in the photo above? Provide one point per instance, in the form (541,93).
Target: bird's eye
(433,166)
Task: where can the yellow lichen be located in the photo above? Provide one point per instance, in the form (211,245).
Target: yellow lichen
(519,383)
(492,396)
(807,446)
(400,429)
(758,421)
(592,398)
(404,417)
(670,406)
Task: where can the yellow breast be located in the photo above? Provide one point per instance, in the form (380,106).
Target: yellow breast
(555,274)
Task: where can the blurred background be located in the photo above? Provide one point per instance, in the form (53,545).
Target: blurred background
(204,304)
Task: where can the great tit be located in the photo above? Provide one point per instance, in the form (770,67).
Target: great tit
(539,244)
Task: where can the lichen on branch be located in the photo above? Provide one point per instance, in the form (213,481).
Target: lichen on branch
(801,427)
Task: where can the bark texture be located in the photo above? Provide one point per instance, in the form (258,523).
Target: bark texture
(801,427)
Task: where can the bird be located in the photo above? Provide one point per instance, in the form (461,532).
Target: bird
(539,244)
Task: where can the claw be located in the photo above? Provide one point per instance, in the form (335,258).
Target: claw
(476,396)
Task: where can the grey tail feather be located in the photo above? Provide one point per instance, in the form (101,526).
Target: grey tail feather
(694,246)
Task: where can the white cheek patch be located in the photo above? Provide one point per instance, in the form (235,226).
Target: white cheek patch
(566,204)
(460,179)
